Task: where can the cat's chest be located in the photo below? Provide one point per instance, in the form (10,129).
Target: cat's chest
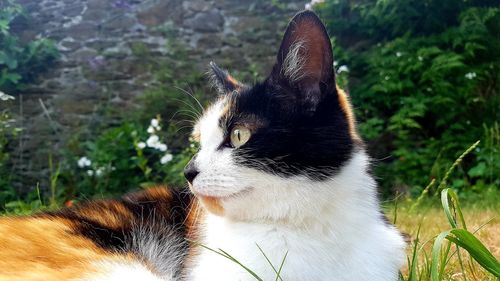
(301,257)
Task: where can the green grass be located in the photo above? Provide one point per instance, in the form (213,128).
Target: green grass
(441,247)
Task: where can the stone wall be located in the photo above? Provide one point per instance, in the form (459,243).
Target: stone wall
(99,39)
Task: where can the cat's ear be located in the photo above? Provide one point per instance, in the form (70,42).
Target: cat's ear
(305,61)
(224,82)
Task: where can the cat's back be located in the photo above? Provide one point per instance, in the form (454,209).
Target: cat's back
(99,240)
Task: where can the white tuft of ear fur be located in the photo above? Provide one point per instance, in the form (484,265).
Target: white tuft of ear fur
(294,62)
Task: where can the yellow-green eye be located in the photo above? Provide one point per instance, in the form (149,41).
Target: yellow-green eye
(239,136)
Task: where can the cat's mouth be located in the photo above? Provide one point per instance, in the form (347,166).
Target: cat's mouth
(208,192)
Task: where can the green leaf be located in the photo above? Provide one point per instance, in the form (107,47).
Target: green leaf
(448,208)
(436,255)
(476,249)
(478,170)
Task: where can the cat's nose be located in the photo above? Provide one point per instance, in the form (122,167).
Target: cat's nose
(190,171)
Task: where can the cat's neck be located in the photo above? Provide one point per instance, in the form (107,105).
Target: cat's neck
(343,201)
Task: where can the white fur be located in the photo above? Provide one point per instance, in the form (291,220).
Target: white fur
(294,62)
(216,178)
(162,252)
(120,271)
(332,229)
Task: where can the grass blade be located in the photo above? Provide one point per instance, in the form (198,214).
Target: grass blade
(455,206)
(457,162)
(412,276)
(269,262)
(240,264)
(436,253)
(231,258)
(476,249)
(281,267)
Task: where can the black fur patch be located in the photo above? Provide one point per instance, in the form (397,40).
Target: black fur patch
(158,214)
(289,141)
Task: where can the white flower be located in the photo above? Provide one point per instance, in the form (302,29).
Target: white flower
(151,130)
(420,58)
(155,123)
(141,145)
(166,158)
(343,68)
(387,77)
(90,172)
(309,5)
(162,147)
(470,75)
(153,141)
(5,97)
(84,162)
(398,54)
(335,63)
(99,171)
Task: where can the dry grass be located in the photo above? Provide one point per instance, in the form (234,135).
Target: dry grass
(432,221)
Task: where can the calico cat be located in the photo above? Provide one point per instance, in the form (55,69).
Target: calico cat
(281,167)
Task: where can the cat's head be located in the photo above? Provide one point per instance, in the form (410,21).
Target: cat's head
(268,150)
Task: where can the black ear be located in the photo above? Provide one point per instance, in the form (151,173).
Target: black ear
(223,80)
(305,61)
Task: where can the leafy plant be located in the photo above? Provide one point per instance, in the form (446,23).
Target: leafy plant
(124,158)
(8,133)
(423,76)
(20,63)
(435,265)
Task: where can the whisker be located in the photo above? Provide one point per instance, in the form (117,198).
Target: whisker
(192,96)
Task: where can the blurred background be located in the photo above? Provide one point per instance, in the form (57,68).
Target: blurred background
(98,96)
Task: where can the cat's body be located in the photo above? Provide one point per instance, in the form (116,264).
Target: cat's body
(281,169)
(344,238)
(140,236)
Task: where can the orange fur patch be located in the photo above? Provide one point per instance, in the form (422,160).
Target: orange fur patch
(346,107)
(195,216)
(235,83)
(196,133)
(44,249)
(110,214)
(212,204)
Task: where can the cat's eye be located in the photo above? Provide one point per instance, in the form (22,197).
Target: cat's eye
(239,136)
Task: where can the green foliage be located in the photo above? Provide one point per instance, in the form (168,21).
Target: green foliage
(424,78)
(7,133)
(20,62)
(123,158)
(462,238)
